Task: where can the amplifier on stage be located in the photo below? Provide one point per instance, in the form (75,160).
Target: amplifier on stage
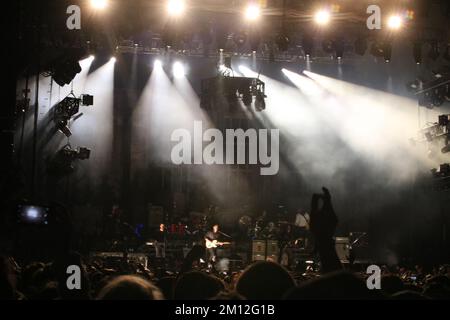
(259,250)
(343,248)
(273,250)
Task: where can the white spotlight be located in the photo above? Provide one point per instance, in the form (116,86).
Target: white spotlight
(99,4)
(176,7)
(252,12)
(395,22)
(178,70)
(157,64)
(322,17)
(113,59)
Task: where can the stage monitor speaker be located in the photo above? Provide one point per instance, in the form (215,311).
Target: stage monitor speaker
(273,250)
(259,250)
(343,248)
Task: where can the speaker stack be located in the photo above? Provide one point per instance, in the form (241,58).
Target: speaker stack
(263,250)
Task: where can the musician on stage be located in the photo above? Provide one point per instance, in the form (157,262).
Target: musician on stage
(211,239)
(160,243)
(302,221)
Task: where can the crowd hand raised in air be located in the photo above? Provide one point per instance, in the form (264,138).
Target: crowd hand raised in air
(323,219)
(323,226)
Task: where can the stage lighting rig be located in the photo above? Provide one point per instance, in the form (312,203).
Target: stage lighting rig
(248,90)
(444,122)
(433,93)
(435,133)
(62,162)
(442,172)
(65,71)
(69,108)
(260,102)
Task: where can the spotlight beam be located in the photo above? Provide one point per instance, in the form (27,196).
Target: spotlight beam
(252,12)
(322,17)
(176,8)
(395,22)
(178,70)
(99,4)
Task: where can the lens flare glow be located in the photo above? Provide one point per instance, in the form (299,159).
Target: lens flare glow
(176,8)
(178,70)
(395,22)
(99,4)
(252,12)
(157,64)
(322,17)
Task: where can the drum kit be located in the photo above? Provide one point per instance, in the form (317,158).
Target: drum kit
(270,230)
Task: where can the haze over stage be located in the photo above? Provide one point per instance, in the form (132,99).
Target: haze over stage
(311,135)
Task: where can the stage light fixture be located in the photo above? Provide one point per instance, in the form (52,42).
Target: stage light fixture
(260,103)
(175,8)
(178,70)
(62,163)
(99,4)
(157,64)
(307,45)
(113,60)
(339,48)
(247,98)
(252,12)
(69,109)
(444,120)
(322,17)
(395,22)
(414,86)
(65,71)
(417,52)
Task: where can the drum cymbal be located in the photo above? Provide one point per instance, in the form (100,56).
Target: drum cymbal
(245,221)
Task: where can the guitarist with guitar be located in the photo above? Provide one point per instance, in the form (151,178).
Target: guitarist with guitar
(211,243)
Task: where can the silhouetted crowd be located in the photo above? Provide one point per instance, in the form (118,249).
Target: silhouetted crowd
(259,281)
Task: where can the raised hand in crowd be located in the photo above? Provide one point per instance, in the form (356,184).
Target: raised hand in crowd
(323,226)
